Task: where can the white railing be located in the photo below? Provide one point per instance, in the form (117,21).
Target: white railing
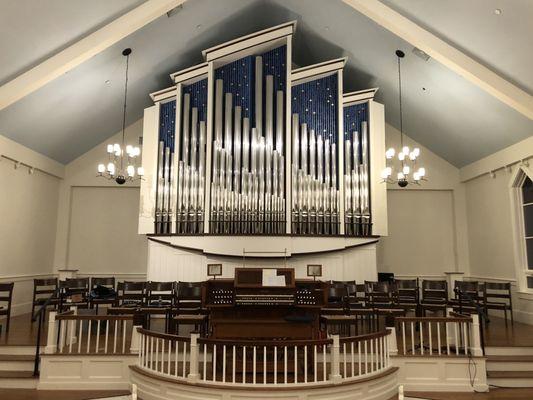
(70,333)
(264,363)
(439,336)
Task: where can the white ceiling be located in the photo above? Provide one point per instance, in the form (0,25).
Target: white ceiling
(452,117)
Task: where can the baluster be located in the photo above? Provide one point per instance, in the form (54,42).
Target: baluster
(124,324)
(438,338)
(456,325)
(404,338)
(244,364)
(176,359)
(107,335)
(430,341)
(366,357)
(465,338)
(115,337)
(89,337)
(264,365)
(234,361)
(324,361)
(169,356)
(224,363)
(344,359)
(295,364)
(151,352)
(162,356)
(372,355)
(315,364)
(156,354)
(447,339)
(285,364)
(184,372)
(353,359)
(97,335)
(80,334)
(359,357)
(205,362)
(412,338)
(305,364)
(254,365)
(63,335)
(214,362)
(71,329)
(421,338)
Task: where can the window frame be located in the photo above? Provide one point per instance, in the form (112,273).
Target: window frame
(519,233)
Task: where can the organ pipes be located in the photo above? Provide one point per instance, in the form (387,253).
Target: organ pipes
(315,196)
(356,192)
(191,172)
(248,182)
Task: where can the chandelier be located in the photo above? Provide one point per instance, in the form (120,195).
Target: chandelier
(403,163)
(122,158)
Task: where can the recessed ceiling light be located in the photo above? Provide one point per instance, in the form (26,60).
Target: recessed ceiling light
(498,11)
(198,26)
(326,28)
(107,82)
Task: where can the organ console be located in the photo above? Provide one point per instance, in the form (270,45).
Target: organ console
(245,307)
(243,144)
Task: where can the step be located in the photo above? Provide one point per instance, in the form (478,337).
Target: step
(18,380)
(510,378)
(27,350)
(16,362)
(509,363)
(508,351)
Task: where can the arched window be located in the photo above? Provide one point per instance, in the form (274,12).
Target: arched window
(527,209)
(522,203)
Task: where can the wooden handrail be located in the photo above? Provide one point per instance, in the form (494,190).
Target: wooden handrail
(272,343)
(160,335)
(368,336)
(72,317)
(434,319)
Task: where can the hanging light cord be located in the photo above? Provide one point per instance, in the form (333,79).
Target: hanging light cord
(400,95)
(124,113)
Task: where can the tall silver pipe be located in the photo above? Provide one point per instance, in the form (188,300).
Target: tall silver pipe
(269,111)
(259,94)
(160,184)
(186,126)
(320,158)
(279,121)
(237,151)
(194,137)
(295,141)
(228,123)
(219,95)
(246,144)
(312,154)
(201,163)
(304,148)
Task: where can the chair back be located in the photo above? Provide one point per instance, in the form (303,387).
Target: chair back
(468,289)
(6,293)
(189,295)
(337,295)
(435,291)
(74,286)
(408,291)
(160,293)
(131,293)
(497,290)
(44,288)
(108,282)
(381,294)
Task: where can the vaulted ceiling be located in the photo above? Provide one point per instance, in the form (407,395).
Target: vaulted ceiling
(445,112)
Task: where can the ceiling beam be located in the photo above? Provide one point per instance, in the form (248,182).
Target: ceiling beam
(446,54)
(84,49)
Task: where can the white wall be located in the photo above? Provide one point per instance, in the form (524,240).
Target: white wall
(490,230)
(28,215)
(97,219)
(425,220)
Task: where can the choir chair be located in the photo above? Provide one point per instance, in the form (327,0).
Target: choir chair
(43,289)
(466,297)
(6,297)
(381,294)
(74,292)
(408,293)
(160,297)
(97,297)
(434,296)
(188,307)
(497,296)
(131,294)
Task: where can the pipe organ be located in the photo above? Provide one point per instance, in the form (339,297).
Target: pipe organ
(244,144)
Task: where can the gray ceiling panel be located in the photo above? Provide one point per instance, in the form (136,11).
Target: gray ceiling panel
(452,117)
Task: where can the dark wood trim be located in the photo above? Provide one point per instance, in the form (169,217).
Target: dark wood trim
(258,387)
(167,336)
(175,246)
